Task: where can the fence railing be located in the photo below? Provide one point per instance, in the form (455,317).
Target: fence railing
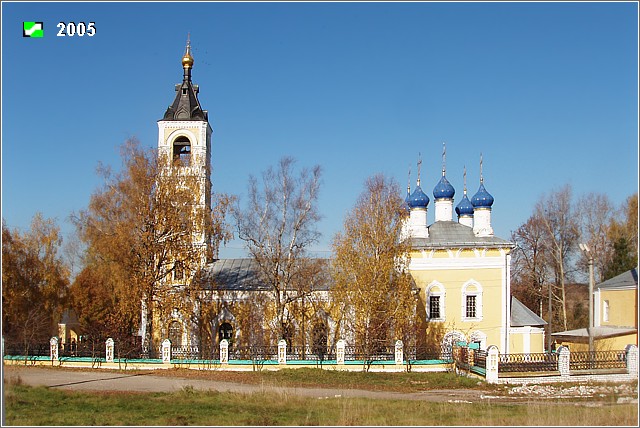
(362,353)
(595,360)
(185,352)
(83,349)
(533,362)
(415,353)
(311,353)
(253,353)
(480,359)
(29,349)
(490,363)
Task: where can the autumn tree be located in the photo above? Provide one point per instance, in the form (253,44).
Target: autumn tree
(372,292)
(278,225)
(622,235)
(595,213)
(34,282)
(100,312)
(529,262)
(146,225)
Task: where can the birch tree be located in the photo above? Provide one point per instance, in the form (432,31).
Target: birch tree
(595,214)
(556,214)
(622,235)
(143,223)
(278,226)
(34,282)
(372,293)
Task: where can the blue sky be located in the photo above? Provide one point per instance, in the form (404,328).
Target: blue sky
(546,91)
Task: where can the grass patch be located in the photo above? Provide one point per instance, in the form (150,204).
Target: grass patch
(312,377)
(41,406)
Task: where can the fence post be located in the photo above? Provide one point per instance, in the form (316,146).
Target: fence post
(632,359)
(282,351)
(53,348)
(340,351)
(491,364)
(166,351)
(109,351)
(224,351)
(399,351)
(564,356)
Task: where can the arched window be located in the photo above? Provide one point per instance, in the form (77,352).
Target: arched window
(435,302)
(225,331)
(181,151)
(175,333)
(471,301)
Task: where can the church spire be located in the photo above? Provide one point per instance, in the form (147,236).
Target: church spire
(185,105)
(187,61)
(444,154)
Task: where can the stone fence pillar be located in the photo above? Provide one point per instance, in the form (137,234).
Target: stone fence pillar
(224,351)
(166,351)
(564,355)
(53,348)
(109,350)
(491,365)
(282,351)
(399,352)
(340,351)
(632,359)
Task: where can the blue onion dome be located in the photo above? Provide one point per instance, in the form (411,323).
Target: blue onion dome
(418,199)
(444,189)
(482,198)
(464,207)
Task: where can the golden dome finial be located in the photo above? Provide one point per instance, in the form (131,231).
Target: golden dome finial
(187,59)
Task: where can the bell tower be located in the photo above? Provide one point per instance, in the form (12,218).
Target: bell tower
(184,145)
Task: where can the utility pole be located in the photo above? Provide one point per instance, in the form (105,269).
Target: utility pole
(585,249)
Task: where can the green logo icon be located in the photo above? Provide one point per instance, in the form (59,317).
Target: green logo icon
(32,29)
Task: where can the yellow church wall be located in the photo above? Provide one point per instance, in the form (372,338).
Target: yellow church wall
(170,130)
(608,344)
(518,339)
(453,281)
(623,307)
(616,343)
(516,343)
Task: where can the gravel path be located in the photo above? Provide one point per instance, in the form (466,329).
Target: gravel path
(147,382)
(103,380)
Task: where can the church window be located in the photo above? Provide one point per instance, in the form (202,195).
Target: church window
(175,333)
(182,151)
(178,271)
(471,306)
(435,302)
(434,306)
(472,301)
(225,332)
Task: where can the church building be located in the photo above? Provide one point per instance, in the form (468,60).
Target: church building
(460,269)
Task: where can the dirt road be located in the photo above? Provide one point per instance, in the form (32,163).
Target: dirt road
(101,380)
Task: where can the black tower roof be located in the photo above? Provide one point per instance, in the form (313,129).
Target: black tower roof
(186,105)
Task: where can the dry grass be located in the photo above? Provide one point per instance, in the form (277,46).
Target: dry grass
(41,406)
